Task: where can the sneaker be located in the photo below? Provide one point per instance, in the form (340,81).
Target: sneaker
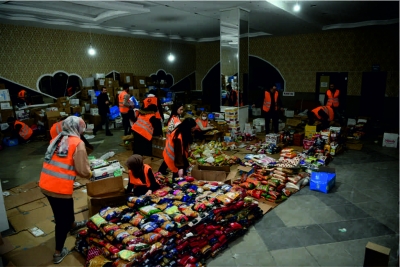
(78,226)
(57,258)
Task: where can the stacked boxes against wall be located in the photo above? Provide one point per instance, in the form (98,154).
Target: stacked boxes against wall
(232,119)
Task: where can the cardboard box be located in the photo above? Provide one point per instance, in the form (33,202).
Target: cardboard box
(77,109)
(354,146)
(158,145)
(95,204)
(115,84)
(88,82)
(310,130)
(4,95)
(272,138)
(323,180)
(5,114)
(126,78)
(94,111)
(94,119)
(108,82)
(135,93)
(293,122)
(390,140)
(22,115)
(289,113)
(376,255)
(208,175)
(6,105)
(139,82)
(143,92)
(105,187)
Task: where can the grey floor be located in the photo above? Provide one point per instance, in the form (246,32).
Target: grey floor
(304,230)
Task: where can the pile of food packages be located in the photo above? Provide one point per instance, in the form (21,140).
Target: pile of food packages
(183,224)
(211,154)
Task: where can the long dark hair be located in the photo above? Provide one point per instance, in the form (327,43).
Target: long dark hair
(174,110)
(185,129)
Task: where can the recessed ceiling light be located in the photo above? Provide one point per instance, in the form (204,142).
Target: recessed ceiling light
(296,7)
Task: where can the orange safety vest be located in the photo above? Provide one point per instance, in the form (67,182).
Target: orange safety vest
(152,101)
(58,175)
(122,107)
(267,101)
(143,126)
(169,152)
(21,94)
(25,131)
(326,109)
(333,101)
(205,123)
(136,181)
(56,129)
(176,120)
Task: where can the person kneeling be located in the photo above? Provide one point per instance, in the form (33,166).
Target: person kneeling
(202,126)
(141,177)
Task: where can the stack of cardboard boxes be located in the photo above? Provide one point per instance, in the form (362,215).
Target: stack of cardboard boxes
(6,108)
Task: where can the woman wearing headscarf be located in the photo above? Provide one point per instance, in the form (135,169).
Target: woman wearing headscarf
(145,127)
(176,149)
(173,121)
(141,177)
(65,158)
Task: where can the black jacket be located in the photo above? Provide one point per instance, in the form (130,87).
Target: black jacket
(104,109)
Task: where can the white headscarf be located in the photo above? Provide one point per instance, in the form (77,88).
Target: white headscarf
(71,126)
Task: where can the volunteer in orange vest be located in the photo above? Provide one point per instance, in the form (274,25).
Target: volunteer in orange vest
(22,97)
(64,159)
(141,177)
(271,107)
(145,127)
(332,99)
(124,106)
(202,126)
(20,130)
(324,114)
(56,129)
(173,121)
(176,151)
(232,97)
(151,99)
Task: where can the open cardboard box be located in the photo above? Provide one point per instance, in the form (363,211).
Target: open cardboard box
(208,174)
(105,186)
(95,204)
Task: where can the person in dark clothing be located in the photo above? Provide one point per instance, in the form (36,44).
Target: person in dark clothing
(141,177)
(103,103)
(145,127)
(271,108)
(232,97)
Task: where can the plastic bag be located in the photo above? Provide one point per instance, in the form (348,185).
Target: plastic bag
(135,221)
(210,159)
(148,210)
(98,220)
(129,255)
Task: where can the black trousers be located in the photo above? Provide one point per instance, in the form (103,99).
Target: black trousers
(163,167)
(63,210)
(104,120)
(274,115)
(125,123)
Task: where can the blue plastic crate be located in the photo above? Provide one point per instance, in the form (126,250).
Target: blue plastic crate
(114,110)
(97,93)
(113,116)
(10,142)
(323,180)
(165,100)
(169,95)
(211,116)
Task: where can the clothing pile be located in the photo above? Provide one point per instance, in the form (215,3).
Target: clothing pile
(179,225)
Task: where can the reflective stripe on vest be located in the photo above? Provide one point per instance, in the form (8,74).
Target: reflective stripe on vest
(204,123)
(169,152)
(326,109)
(25,131)
(122,107)
(59,173)
(143,126)
(56,129)
(152,101)
(136,181)
(333,101)
(267,101)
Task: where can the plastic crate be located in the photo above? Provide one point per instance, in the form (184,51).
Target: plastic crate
(97,93)
(114,110)
(10,142)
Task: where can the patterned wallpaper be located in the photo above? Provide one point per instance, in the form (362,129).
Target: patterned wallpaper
(28,52)
(299,57)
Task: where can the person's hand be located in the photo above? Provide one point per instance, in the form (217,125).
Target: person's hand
(107,102)
(148,193)
(180,173)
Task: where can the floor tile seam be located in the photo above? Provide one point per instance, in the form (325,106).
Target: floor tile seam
(309,252)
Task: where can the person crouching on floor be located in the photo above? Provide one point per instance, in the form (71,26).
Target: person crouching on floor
(141,177)
(202,126)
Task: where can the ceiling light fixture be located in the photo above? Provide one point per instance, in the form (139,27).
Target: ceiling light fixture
(296,7)
(91,50)
(171,57)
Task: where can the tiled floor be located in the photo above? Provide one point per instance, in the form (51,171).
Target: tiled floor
(304,230)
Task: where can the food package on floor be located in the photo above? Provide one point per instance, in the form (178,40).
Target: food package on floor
(113,170)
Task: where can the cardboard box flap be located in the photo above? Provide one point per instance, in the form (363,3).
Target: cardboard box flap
(23,198)
(245,169)
(53,114)
(215,168)
(105,186)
